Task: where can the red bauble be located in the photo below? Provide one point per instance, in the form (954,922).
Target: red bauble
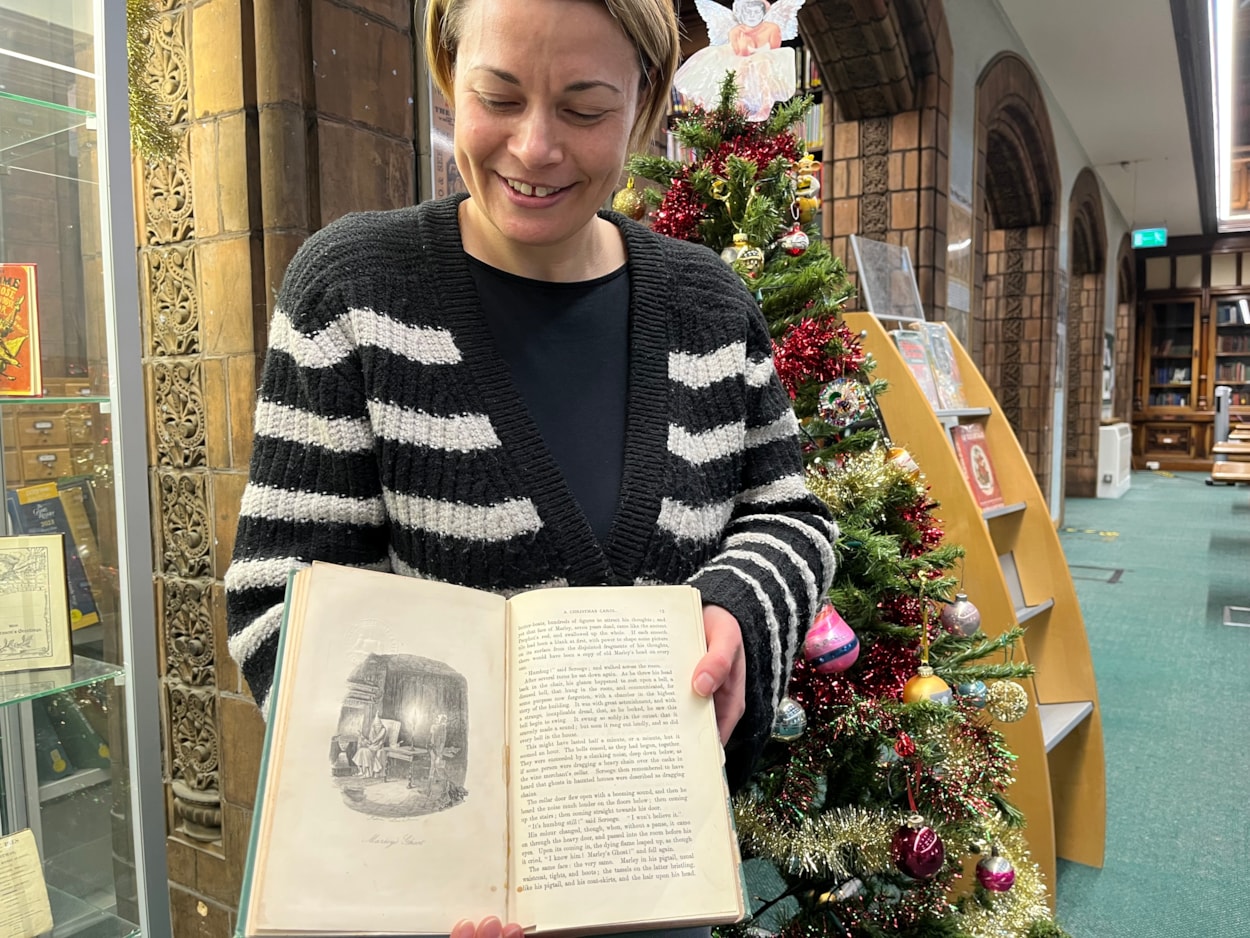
(996,873)
(831,646)
(916,849)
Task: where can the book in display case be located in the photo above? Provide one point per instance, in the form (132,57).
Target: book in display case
(1015,572)
(82,802)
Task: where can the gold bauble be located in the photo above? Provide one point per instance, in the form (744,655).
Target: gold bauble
(927,686)
(629,201)
(1007,701)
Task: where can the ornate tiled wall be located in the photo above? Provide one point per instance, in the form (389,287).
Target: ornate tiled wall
(289,115)
(887,140)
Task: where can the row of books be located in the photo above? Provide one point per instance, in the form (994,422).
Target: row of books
(1168,399)
(1234,372)
(1239,399)
(1172,348)
(1232,343)
(1171,375)
(927,351)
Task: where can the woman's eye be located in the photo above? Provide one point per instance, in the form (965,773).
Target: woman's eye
(492,104)
(585,116)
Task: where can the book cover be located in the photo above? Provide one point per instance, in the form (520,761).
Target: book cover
(945,366)
(51,759)
(37,509)
(83,745)
(974,459)
(913,347)
(34,604)
(544,761)
(19,332)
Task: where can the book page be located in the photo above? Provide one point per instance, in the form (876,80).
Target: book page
(24,906)
(619,806)
(384,807)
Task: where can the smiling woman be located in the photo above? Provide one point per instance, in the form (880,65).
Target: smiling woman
(513,389)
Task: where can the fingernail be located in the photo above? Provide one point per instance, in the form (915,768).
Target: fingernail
(703,684)
(490,928)
(513,930)
(462,929)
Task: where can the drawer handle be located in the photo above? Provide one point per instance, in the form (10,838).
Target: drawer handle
(43,424)
(46,457)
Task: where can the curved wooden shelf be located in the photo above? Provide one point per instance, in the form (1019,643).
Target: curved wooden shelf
(1060,781)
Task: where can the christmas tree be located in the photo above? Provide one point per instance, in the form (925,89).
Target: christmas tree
(881,806)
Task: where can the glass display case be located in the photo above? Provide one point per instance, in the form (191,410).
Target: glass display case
(80,757)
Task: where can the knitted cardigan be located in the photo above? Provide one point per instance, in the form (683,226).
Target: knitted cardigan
(389,435)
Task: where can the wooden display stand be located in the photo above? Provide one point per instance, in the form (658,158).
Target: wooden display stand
(1016,574)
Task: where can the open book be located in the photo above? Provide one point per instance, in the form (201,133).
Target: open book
(437,753)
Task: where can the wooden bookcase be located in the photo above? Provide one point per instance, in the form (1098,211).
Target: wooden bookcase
(1016,574)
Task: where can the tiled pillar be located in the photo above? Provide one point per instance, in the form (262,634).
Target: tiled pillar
(1083,394)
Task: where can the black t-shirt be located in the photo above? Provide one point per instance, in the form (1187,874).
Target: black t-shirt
(567,348)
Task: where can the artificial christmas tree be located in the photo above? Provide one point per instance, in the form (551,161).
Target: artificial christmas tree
(886,781)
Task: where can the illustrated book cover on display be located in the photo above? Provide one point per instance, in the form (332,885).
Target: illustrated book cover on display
(912,345)
(950,386)
(34,604)
(19,332)
(435,753)
(974,459)
(38,509)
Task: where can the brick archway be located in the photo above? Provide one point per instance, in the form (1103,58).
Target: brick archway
(1125,331)
(1086,336)
(886,69)
(1012,334)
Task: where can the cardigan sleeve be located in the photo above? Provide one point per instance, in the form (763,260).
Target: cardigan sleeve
(313,491)
(775,561)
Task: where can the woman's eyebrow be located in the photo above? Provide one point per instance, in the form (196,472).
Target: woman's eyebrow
(576,86)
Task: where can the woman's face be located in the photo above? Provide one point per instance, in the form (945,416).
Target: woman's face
(546,92)
(752,14)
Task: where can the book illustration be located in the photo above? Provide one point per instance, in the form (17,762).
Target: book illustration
(978,468)
(26,628)
(401,749)
(914,349)
(19,332)
(746,40)
(945,367)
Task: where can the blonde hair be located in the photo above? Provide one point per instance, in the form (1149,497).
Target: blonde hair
(651,25)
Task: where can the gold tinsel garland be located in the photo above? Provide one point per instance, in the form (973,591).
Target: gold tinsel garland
(150,133)
(1009,914)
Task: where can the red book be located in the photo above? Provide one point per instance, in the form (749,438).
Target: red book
(974,459)
(19,332)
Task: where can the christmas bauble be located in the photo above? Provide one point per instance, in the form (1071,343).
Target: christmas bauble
(795,241)
(926,685)
(904,460)
(973,693)
(996,873)
(916,849)
(790,720)
(1006,701)
(629,201)
(961,616)
(731,251)
(752,260)
(831,645)
(842,402)
(851,888)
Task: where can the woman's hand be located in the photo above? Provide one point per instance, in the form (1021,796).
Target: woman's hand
(489,927)
(721,673)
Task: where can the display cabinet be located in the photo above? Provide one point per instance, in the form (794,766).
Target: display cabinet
(80,757)
(1232,350)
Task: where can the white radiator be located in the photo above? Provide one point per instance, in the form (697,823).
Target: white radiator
(1115,459)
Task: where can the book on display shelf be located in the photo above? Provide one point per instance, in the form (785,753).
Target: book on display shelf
(545,761)
(973,454)
(914,348)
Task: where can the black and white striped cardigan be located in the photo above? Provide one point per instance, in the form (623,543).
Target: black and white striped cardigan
(388,435)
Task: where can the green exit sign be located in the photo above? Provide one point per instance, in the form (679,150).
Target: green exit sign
(1150,238)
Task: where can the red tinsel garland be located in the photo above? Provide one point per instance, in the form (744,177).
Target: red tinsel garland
(816,351)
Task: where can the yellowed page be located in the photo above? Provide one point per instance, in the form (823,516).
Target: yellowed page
(402,831)
(24,907)
(618,801)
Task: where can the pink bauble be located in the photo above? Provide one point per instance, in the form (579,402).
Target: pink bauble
(917,850)
(831,645)
(996,873)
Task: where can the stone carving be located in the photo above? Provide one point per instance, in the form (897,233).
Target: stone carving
(875,136)
(188,633)
(167,71)
(178,418)
(174,314)
(874,218)
(168,207)
(185,526)
(193,759)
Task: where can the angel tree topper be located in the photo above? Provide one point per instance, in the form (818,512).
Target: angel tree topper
(745,41)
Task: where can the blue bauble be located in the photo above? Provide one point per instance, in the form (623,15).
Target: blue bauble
(973,693)
(790,721)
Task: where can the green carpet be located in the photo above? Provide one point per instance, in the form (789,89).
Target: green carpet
(1154,571)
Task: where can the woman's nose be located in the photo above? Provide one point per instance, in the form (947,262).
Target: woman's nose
(536,140)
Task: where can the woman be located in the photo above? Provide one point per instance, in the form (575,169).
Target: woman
(511,390)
